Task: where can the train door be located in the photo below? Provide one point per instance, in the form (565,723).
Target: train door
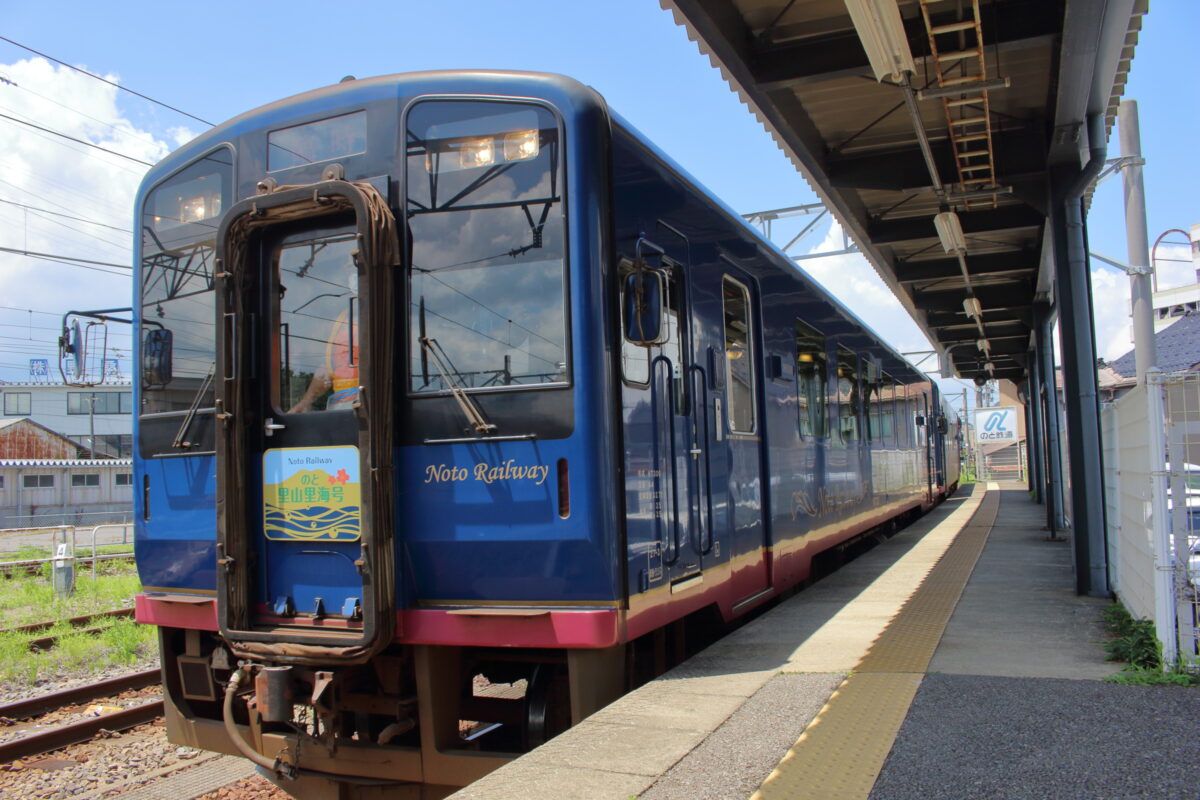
(844,478)
(743,429)
(924,431)
(304,526)
(683,430)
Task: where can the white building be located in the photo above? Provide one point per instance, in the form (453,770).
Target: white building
(1172,303)
(36,492)
(99,418)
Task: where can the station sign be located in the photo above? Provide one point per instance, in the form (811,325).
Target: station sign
(995,425)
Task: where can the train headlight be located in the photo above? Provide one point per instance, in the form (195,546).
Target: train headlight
(204,206)
(477,153)
(520,146)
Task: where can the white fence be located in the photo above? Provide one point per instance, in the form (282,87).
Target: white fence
(1152,475)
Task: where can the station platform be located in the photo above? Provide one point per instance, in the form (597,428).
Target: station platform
(952,661)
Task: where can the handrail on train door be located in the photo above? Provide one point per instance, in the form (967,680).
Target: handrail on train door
(654,410)
(700,406)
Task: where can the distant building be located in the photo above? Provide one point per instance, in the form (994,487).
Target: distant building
(36,492)
(21,437)
(1177,349)
(75,413)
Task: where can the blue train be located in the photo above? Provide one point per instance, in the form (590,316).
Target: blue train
(461,408)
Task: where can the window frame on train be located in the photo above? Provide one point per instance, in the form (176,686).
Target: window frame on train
(554,219)
(745,401)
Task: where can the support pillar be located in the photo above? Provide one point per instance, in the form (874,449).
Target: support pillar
(1044,330)
(1074,298)
(1141,288)
(1034,434)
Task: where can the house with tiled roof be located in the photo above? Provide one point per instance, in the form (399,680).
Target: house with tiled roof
(1177,349)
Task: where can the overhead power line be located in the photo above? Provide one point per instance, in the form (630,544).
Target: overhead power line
(65,259)
(73,139)
(122,131)
(105,80)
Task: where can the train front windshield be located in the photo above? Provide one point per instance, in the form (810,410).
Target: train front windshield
(483,222)
(487,280)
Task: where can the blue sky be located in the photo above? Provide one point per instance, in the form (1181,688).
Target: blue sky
(220,59)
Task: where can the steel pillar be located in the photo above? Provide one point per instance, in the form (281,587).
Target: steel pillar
(1034,434)
(1073,294)
(1044,332)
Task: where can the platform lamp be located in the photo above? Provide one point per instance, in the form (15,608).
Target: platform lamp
(881,31)
(950,233)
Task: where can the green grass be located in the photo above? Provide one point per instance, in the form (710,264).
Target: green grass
(30,598)
(28,552)
(1134,641)
(120,644)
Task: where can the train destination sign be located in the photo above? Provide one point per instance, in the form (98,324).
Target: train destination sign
(312,494)
(995,425)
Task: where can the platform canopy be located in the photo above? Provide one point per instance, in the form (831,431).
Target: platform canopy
(935,131)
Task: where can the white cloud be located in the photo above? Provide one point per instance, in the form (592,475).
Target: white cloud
(854,282)
(181,135)
(1110,302)
(41,170)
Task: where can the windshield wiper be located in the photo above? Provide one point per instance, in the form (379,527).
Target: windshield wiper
(191,414)
(470,410)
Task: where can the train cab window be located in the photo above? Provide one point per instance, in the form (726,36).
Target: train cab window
(673,347)
(635,358)
(325,139)
(849,395)
(739,357)
(315,327)
(485,219)
(811,381)
(179,230)
(635,363)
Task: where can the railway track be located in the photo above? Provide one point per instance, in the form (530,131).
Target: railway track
(34,566)
(78,624)
(73,732)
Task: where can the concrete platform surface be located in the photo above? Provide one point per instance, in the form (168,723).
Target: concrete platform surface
(1010,705)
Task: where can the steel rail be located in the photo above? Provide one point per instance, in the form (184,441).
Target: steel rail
(32,566)
(77,732)
(23,709)
(75,622)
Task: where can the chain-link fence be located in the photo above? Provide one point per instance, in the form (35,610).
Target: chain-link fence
(1152,475)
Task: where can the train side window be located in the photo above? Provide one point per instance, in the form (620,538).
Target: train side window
(871,409)
(739,357)
(849,394)
(812,373)
(887,411)
(903,422)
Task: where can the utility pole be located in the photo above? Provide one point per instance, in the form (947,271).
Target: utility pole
(1140,276)
(92,423)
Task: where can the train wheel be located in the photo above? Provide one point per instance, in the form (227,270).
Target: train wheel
(547,704)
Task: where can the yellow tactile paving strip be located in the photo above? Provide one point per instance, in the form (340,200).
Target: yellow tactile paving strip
(840,754)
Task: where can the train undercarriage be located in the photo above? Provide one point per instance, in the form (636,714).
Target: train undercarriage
(416,721)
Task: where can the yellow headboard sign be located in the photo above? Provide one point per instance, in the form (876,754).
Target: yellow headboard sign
(312,494)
